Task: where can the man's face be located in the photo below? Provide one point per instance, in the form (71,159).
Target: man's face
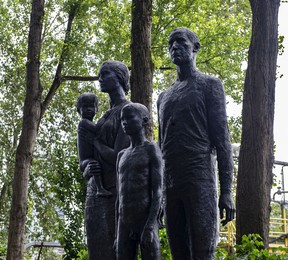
(180,48)
(88,108)
(131,121)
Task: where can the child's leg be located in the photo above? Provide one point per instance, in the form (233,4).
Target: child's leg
(153,251)
(101,191)
(126,248)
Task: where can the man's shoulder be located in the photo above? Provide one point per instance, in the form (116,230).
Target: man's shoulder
(161,95)
(209,83)
(208,78)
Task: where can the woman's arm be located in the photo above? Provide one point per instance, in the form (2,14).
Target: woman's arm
(110,154)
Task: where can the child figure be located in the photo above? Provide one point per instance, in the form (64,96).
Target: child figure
(87,106)
(139,187)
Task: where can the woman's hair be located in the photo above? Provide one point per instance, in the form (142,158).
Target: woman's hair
(121,71)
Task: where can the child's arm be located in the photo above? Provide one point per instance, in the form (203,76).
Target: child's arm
(89,125)
(88,165)
(156,174)
(117,199)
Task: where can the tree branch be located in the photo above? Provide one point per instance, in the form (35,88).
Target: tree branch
(79,78)
(58,79)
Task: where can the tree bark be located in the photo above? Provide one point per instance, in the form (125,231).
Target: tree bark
(31,119)
(256,152)
(2,198)
(141,59)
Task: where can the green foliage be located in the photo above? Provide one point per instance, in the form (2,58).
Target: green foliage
(221,253)
(83,255)
(235,126)
(165,250)
(280,44)
(2,251)
(250,245)
(251,248)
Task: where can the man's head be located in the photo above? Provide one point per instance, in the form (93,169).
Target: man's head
(134,116)
(87,105)
(183,45)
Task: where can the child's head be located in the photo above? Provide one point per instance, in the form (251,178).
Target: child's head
(87,105)
(134,116)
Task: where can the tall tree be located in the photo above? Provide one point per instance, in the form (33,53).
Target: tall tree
(141,59)
(256,152)
(34,110)
(31,119)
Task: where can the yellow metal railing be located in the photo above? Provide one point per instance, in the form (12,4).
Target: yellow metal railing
(278,233)
(228,236)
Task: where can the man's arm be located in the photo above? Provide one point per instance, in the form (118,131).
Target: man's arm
(159,125)
(220,137)
(156,174)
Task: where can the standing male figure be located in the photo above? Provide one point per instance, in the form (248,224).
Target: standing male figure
(192,124)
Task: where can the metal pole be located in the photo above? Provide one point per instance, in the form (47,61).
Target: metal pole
(40,251)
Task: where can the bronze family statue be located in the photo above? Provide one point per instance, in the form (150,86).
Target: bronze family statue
(192,126)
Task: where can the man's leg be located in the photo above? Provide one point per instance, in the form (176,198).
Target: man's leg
(201,214)
(176,227)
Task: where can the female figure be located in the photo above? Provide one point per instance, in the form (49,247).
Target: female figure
(110,139)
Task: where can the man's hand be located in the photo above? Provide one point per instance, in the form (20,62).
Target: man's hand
(146,238)
(115,245)
(226,203)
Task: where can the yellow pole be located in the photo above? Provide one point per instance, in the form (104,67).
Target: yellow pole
(284,224)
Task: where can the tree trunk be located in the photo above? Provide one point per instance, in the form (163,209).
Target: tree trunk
(141,60)
(256,152)
(2,198)
(31,119)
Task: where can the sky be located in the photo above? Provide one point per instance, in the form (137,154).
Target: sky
(281,95)
(281,109)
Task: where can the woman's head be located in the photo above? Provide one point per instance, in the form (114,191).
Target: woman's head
(120,70)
